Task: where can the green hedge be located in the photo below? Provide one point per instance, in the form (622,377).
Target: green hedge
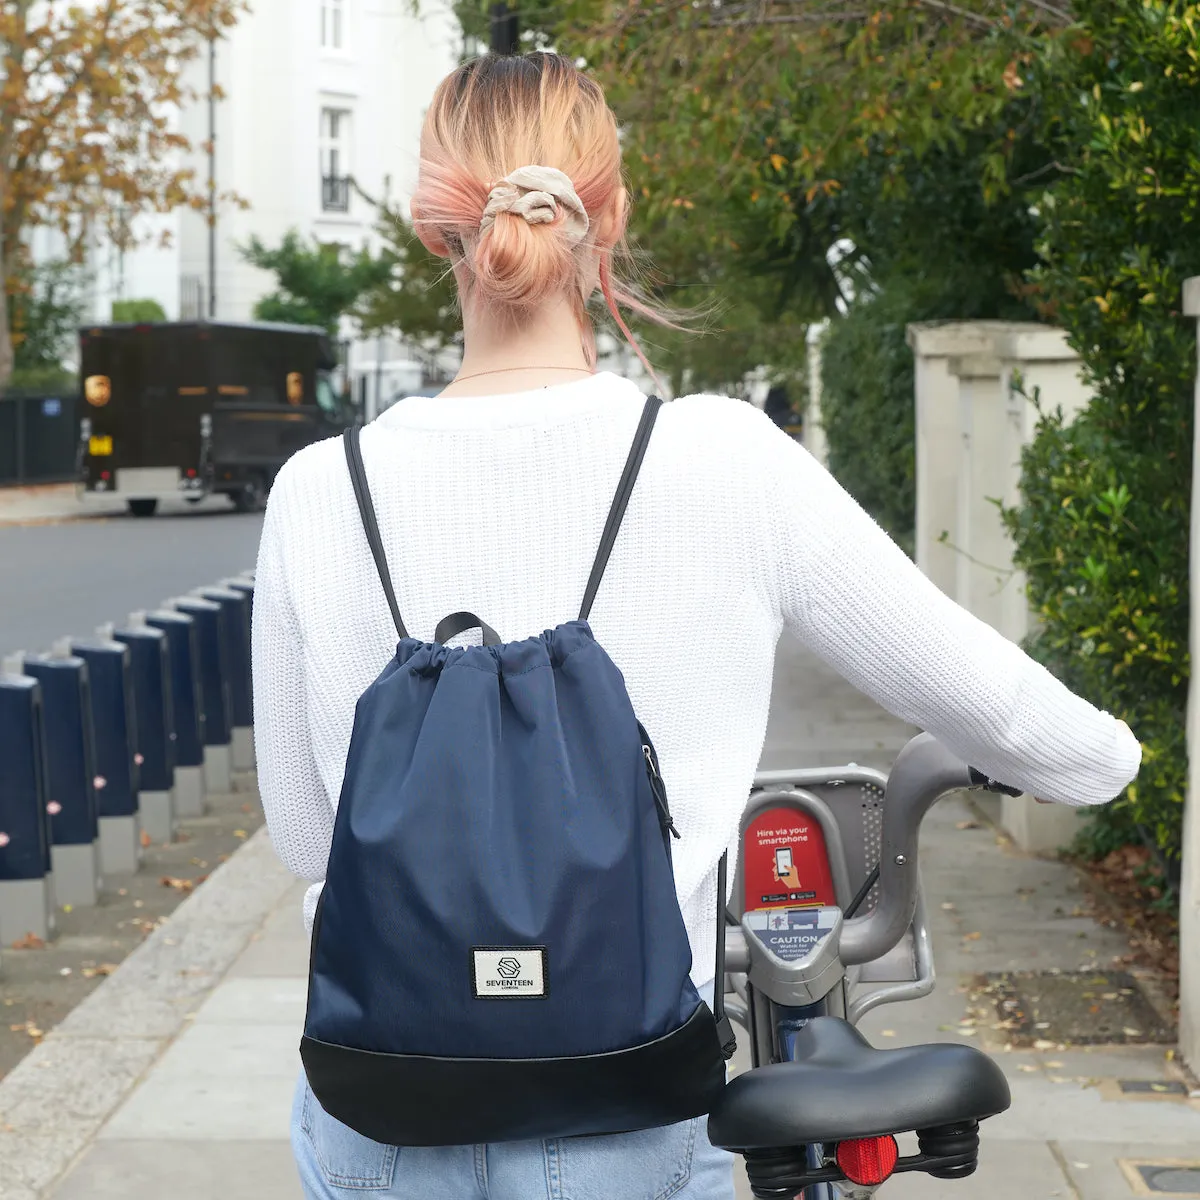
(868,415)
(1102,530)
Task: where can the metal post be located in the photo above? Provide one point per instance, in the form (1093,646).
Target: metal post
(212,176)
(505,30)
(378,375)
(1189,888)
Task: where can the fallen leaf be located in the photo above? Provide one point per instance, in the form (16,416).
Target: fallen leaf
(1042,1044)
(68,908)
(1131,1032)
(966,825)
(1057,1079)
(30,941)
(887,1033)
(180,885)
(947,906)
(102,969)
(972,937)
(146,840)
(1056,1065)
(1026,1067)
(65,971)
(240,833)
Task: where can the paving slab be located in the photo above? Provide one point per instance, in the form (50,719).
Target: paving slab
(1094,1167)
(183,1170)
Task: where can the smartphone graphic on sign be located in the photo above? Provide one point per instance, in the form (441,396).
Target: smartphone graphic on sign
(783,861)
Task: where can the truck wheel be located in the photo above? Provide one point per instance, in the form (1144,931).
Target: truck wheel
(252,497)
(143,508)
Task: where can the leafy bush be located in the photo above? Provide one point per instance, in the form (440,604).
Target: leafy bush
(867,411)
(1103,528)
(137,311)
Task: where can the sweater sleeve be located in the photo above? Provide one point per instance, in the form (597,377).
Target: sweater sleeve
(299,815)
(853,596)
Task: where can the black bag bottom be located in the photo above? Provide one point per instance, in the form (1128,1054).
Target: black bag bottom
(415,1100)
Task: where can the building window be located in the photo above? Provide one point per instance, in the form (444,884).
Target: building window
(332,24)
(335,160)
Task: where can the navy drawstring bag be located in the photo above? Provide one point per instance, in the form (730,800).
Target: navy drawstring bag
(498,952)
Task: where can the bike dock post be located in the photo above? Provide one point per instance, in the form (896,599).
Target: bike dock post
(183,653)
(71,760)
(155,749)
(235,631)
(113,721)
(214,686)
(27,905)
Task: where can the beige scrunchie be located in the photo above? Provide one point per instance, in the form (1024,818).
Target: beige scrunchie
(536,193)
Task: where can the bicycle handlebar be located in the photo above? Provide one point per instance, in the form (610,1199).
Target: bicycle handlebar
(924,771)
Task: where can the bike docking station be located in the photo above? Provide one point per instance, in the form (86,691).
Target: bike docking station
(826,923)
(155,757)
(212,635)
(27,901)
(70,748)
(235,631)
(115,729)
(187,707)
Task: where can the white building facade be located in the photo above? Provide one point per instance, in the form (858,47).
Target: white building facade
(315,94)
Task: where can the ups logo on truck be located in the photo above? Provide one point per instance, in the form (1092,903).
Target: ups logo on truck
(97,390)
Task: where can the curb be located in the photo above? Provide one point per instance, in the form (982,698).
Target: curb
(56,1099)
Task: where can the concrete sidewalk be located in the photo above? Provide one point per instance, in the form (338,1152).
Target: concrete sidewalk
(52,503)
(174,1080)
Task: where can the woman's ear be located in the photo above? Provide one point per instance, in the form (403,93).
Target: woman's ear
(612,224)
(430,236)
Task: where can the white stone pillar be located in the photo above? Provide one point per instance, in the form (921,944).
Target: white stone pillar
(814,428)
(983,553)
(939,442)
(971,424)
(1189,892)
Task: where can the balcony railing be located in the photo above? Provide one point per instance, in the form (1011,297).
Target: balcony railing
(335,193)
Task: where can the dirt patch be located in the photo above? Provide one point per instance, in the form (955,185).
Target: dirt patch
(1127,893)
(1074,1008)
(40,984)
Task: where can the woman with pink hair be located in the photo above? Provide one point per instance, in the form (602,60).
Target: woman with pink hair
(492,496)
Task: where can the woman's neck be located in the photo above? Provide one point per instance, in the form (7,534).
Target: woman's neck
(546,349)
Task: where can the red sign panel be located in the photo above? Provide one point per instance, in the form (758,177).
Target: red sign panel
(784,861)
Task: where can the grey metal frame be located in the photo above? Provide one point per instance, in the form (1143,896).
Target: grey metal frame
(896,925)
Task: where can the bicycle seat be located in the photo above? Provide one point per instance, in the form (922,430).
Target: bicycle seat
(840,1087)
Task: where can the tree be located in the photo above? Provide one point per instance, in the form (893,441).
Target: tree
(85,134)
(137,311)
(1102,531)
(416,297)
(318,283)
(46,312)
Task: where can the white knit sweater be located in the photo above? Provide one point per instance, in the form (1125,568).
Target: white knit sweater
(495,505)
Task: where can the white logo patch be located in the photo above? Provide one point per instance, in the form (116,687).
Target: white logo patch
(508,972)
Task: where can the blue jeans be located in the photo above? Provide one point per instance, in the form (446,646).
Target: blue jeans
(336,1163)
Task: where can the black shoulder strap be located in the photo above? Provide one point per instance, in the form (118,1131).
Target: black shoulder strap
(620,503)
(366,509)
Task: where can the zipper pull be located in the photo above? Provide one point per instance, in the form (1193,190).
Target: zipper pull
(660,793)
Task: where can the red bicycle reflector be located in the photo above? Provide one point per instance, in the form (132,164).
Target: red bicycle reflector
(191,473)
(868,1160)
(106,475)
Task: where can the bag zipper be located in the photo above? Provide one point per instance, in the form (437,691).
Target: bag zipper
(657,787)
